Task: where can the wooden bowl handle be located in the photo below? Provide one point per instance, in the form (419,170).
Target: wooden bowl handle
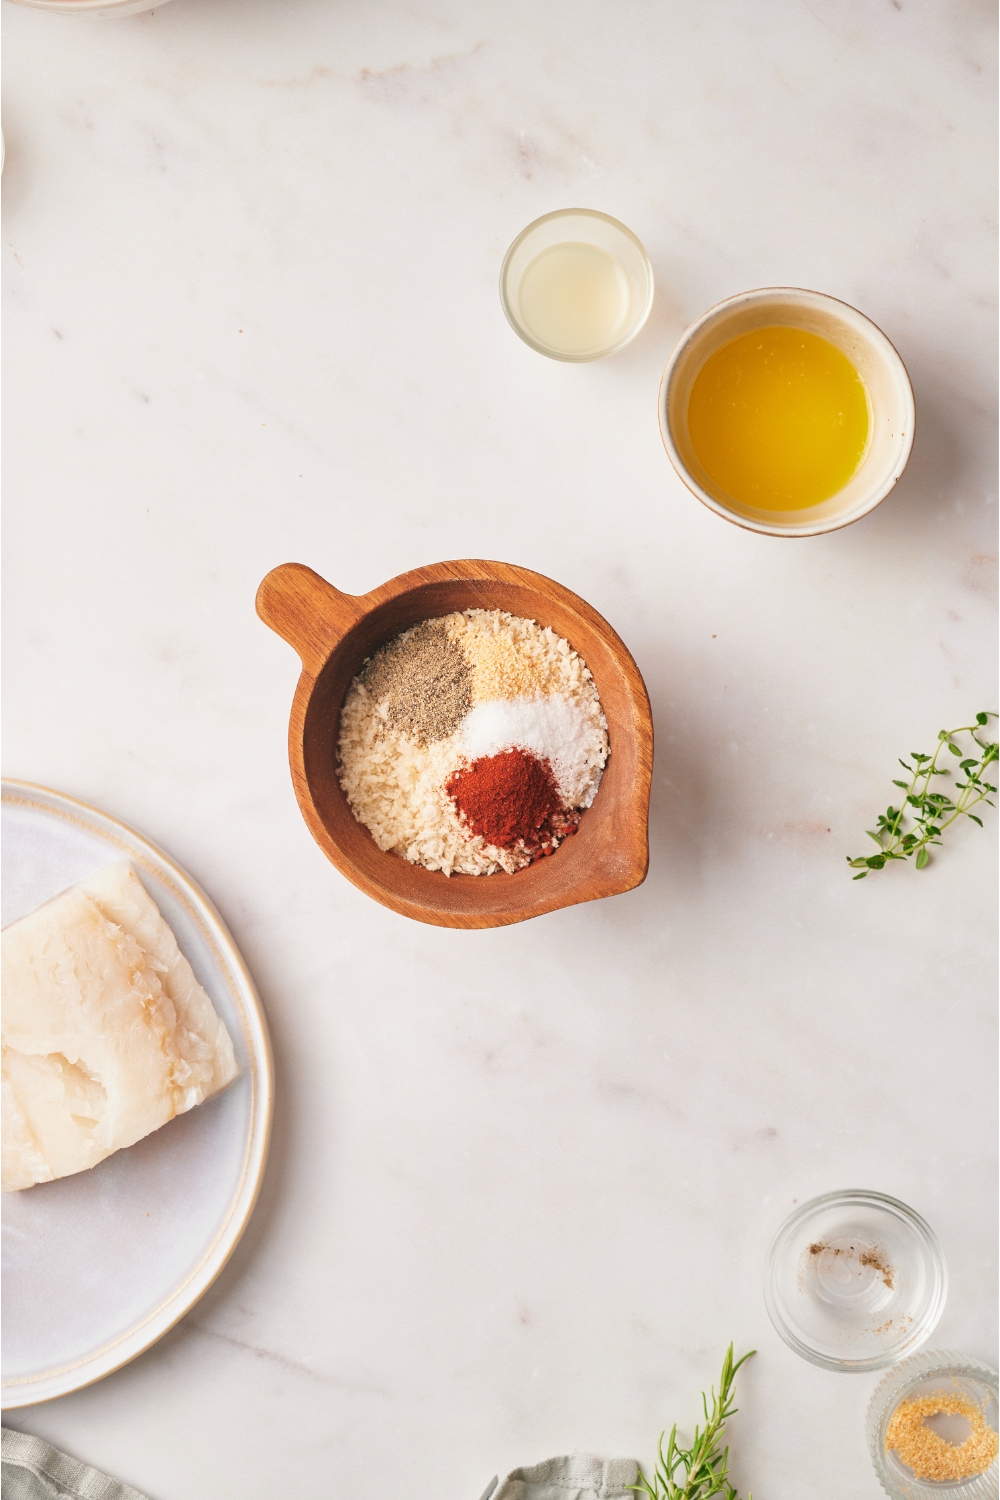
(307,612)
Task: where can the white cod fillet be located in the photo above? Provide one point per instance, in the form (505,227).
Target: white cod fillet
(106,1032)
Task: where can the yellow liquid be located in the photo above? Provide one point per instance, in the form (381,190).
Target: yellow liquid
(574,298)
(779,419)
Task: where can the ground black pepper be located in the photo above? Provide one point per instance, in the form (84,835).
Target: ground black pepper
(425,680)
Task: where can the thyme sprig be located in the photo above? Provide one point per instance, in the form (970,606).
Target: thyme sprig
(704,1467)
(931,812)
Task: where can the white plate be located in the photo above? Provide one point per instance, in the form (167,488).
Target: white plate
(98,1266)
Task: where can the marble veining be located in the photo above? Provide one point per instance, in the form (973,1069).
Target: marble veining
(522,1182)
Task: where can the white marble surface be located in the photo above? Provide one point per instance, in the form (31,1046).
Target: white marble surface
(521,1181)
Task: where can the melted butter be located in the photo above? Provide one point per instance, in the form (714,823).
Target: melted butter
(779,419)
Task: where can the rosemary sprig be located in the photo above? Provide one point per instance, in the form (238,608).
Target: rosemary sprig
(931,812)
(704,1466)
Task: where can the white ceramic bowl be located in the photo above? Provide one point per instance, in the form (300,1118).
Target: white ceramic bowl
(98,1265)
(94,7)
(890,403)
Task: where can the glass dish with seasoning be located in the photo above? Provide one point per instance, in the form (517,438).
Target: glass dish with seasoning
(855,1280)
(931,1428)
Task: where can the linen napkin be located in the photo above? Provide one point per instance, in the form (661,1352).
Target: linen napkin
(577,1477)
(33,1470)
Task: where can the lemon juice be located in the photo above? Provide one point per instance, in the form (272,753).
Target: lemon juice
(574,298)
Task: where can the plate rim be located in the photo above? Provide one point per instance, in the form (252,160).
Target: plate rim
(48,1385)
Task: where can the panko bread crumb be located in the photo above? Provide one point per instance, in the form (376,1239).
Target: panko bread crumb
(394,780)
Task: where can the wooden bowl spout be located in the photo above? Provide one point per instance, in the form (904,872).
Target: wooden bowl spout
(334,633)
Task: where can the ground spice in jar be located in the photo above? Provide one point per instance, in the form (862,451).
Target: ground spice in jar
(873,1258)
(877,1261)
(928,1454)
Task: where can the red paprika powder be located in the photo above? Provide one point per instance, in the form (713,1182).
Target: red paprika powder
(507,799)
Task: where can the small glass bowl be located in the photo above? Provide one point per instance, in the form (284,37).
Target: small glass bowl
(924,1375)
(581,226)
(854,1281)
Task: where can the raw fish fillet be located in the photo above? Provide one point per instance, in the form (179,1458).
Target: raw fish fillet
(106,1032)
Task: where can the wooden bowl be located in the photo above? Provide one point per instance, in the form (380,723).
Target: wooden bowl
(333,634)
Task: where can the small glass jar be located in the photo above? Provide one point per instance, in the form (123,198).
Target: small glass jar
(855,1281)
(576,285)
(928,1374)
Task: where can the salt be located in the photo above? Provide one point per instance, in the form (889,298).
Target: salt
(564,733)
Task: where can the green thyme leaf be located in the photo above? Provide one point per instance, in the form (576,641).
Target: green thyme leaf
(931,813)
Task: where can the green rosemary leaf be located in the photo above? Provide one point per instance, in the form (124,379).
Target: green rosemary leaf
(975,819)
(903,784)
(861,876)
(705,1464)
